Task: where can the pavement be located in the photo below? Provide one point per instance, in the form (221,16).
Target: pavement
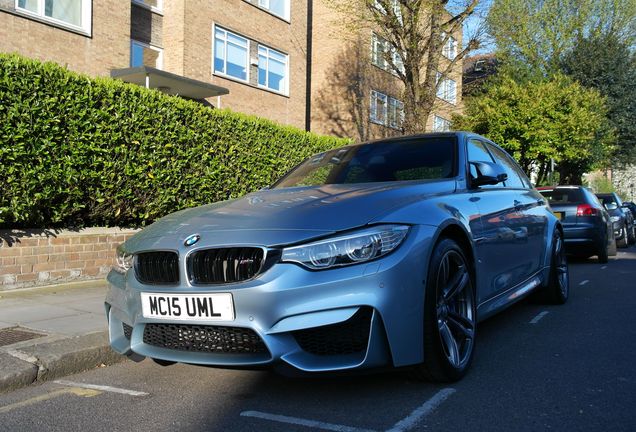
(65,330)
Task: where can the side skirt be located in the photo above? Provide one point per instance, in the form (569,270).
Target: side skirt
(511,296)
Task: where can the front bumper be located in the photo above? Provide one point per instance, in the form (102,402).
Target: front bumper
(297,314)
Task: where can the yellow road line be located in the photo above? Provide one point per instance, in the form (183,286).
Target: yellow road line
(77,391)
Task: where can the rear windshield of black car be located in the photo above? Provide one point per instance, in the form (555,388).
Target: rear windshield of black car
(564,196)
(607,199)
(413,159)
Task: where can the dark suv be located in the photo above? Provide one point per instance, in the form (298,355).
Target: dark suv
(586,224)
(622,218)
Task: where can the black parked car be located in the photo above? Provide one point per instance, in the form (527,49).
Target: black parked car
(587,226)
(630,205)
(622,218)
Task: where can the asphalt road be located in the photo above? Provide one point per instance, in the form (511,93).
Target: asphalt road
(537,367)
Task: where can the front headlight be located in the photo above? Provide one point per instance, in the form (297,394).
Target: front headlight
(353,248)
(615,218)
(124,261)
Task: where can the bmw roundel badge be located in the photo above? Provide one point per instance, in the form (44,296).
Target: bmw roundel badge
(192,239)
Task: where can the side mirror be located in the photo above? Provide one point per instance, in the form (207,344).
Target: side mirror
(488,173)
(611,206)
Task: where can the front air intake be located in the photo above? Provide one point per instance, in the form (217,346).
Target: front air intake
(157,268)
(225,265)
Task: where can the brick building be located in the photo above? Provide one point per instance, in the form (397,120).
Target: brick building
(271,58)
(354,91)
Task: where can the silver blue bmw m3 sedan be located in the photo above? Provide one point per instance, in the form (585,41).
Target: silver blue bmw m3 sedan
(382,254)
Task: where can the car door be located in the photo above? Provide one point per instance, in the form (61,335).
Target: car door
(494,238)
(528,222)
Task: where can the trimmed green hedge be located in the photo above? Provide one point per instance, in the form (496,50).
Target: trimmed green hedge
(79,151)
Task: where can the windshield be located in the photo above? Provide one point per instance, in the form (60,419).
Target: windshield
(414,159)
(563,196)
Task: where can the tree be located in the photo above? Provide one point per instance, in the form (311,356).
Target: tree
(533,36)
(543,120)
(607,64)
(416,32)
(342,104)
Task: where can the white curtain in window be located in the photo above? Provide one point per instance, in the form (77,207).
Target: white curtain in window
(69,11)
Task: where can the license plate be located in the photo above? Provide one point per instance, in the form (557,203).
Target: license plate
(559,215)
(191,307)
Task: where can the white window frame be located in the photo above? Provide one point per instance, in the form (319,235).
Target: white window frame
(265,4)
(247,58)
(447,89)
(397,106)
(390,104)
(373,109)
(158,8)
(145,45)
(440,124)
(379,46)
(450,48)
(395,6)
(286,78)
(86,18)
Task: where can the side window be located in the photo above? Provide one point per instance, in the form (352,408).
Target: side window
(478,153)
(514,173)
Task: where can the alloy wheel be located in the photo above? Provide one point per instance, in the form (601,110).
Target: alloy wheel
(455,309)
(560,261)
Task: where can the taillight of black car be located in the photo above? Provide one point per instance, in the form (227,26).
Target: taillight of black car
(586,210)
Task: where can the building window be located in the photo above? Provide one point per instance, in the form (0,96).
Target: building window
(142,54)
(379,48)
(272,69)
(395,5)
(74,14)
(450,48)
(440,124)
(230,54)
(277,7)
(378,107)
(155,5)
(447,89)
(395,114)
(386,110)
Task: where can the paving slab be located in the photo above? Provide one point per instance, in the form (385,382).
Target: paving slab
(81,323)
(31,312)
(73,319)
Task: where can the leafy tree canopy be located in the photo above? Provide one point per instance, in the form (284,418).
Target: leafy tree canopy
(533,36)
(607,64)
(542,120)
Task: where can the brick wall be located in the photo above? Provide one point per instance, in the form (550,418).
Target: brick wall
(251,22)
(41,257)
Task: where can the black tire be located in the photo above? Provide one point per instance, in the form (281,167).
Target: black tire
(631,238)
(557,288)
(449,315)
(622,243)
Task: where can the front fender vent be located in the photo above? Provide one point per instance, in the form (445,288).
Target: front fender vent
(348,337)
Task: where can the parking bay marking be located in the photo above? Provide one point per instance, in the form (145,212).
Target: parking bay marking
(102,388)
(537,318)
(70,390)
(584,282)
(405,424)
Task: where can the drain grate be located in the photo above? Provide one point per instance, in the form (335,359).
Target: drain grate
(13,335)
